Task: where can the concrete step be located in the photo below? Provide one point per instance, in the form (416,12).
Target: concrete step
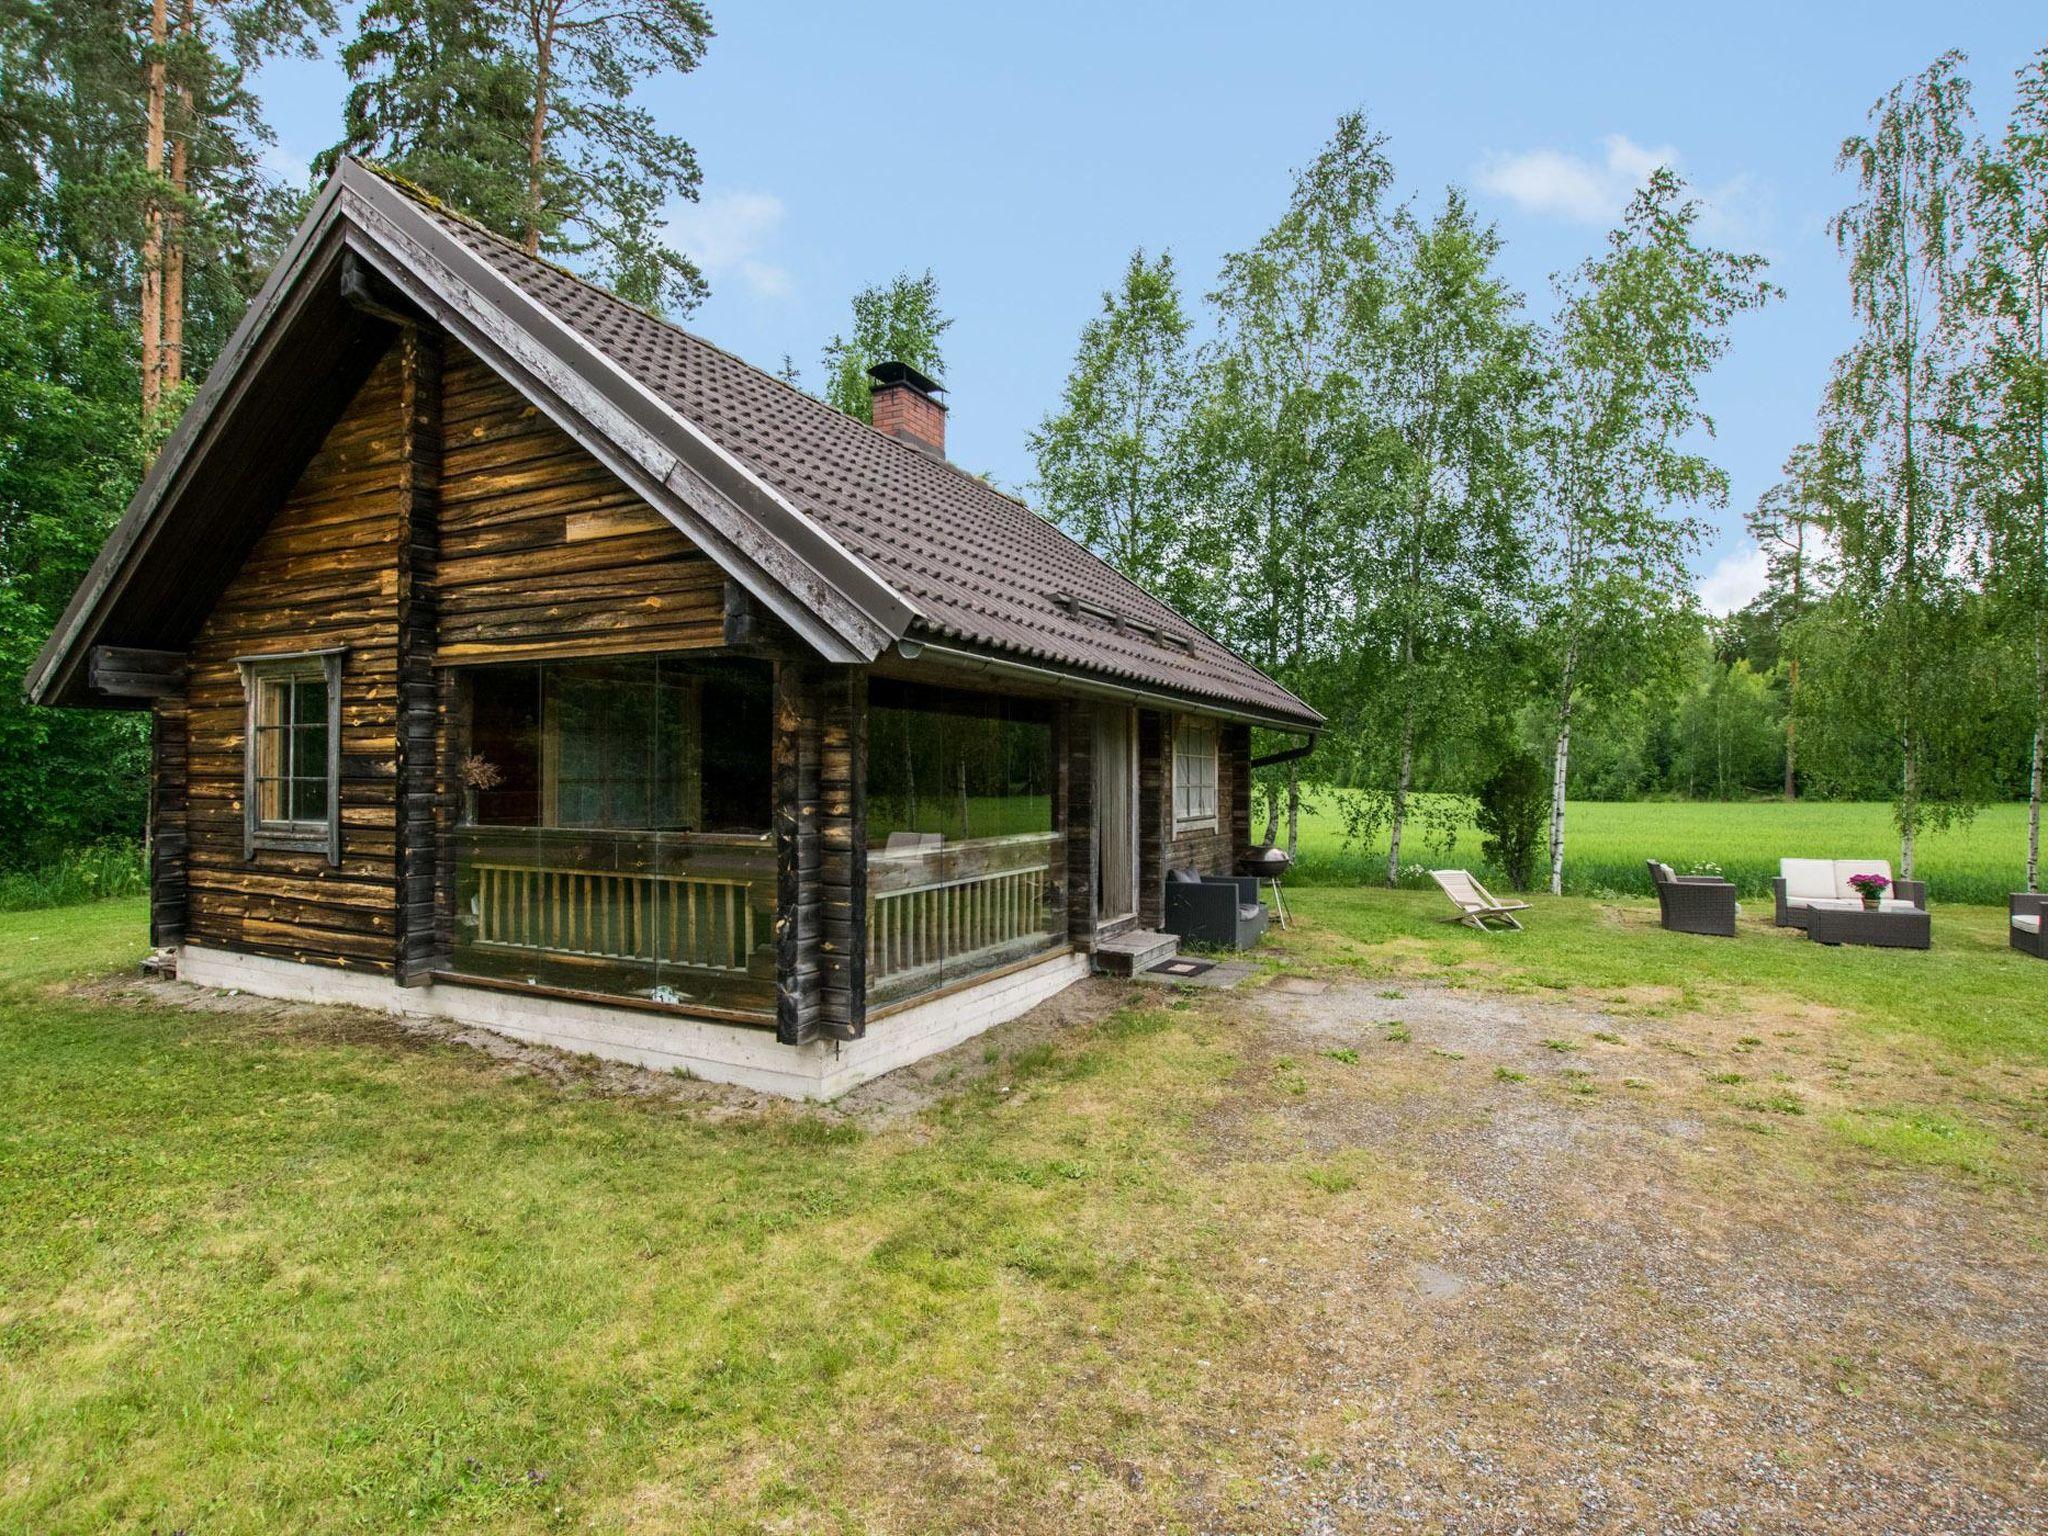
(1134,950)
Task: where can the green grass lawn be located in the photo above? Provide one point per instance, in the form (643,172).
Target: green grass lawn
(261,1271)
(1607,842)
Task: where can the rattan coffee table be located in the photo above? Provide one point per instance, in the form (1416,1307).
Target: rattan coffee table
(1880,930)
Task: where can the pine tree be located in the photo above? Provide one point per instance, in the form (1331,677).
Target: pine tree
(521,113)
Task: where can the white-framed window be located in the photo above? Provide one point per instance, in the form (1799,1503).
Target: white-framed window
(1194,776)
(291,771)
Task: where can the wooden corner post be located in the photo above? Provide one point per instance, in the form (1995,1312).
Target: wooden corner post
(425,791)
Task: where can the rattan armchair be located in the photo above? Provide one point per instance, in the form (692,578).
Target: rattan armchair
(2024,935)
(1694,903)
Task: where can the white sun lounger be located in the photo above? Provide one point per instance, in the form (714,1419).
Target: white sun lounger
(1476,905)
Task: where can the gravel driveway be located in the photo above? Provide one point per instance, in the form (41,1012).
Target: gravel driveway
(1609,1265)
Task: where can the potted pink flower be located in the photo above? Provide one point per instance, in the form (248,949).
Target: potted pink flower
(1871,888)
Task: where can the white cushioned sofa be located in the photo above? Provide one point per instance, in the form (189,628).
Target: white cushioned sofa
(1804,884)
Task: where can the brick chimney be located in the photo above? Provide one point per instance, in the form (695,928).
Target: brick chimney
(905,407)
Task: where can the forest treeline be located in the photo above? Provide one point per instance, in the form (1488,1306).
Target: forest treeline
(1459,520)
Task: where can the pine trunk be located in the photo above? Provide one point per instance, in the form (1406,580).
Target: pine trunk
(537,135)
(173,362)
(152,299)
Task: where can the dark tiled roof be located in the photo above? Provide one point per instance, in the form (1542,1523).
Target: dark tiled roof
(981,567)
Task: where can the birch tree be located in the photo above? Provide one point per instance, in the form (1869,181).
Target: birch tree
(1284,448)
(899,321)
(1110,457)
(1896,399)
(2009,290)
(1637,329)
(1453,380)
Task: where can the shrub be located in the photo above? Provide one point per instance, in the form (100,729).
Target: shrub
(1510,816)
(112,868)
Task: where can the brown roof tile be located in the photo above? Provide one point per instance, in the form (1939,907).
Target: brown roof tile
(981,567)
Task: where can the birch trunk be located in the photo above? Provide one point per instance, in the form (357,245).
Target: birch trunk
(1559,767)
(1909,809)
(152,300)
(1403,779)
(1293,810)
(2040,750)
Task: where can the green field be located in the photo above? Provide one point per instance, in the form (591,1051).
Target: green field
(1606,844)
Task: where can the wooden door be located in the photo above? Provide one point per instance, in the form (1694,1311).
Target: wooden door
(1116,813)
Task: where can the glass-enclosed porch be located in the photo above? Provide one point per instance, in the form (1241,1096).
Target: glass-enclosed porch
(616,833)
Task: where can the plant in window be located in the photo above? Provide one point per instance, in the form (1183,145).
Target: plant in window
(478,774)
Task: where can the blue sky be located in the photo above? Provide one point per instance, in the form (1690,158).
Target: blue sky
(1021,151)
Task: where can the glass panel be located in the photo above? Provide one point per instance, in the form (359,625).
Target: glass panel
(582,861)
(309,798)
(966,869)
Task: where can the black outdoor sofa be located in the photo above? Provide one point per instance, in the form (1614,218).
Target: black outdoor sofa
(1694,903)
(2025,912)
(1219,910)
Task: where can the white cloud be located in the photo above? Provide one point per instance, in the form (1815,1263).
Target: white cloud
(1735,579)
(1571,187)
(1590,191)
(728,233)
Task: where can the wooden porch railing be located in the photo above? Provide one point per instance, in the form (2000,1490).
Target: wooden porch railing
(690,920)
(955,906)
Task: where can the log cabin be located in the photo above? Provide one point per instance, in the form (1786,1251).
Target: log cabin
(516,657)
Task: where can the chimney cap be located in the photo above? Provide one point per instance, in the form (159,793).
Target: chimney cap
(893,372)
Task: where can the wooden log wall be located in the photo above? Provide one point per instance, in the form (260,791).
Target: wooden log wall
(1155,813)
(324,573)
(1213,852)
(820,757)
(544,551)
(1236,766)
(168,838)
(425,796)
(1077,763)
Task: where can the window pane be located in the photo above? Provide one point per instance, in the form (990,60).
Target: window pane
(270,800)
(309,799)
(309,701)
(309,750)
